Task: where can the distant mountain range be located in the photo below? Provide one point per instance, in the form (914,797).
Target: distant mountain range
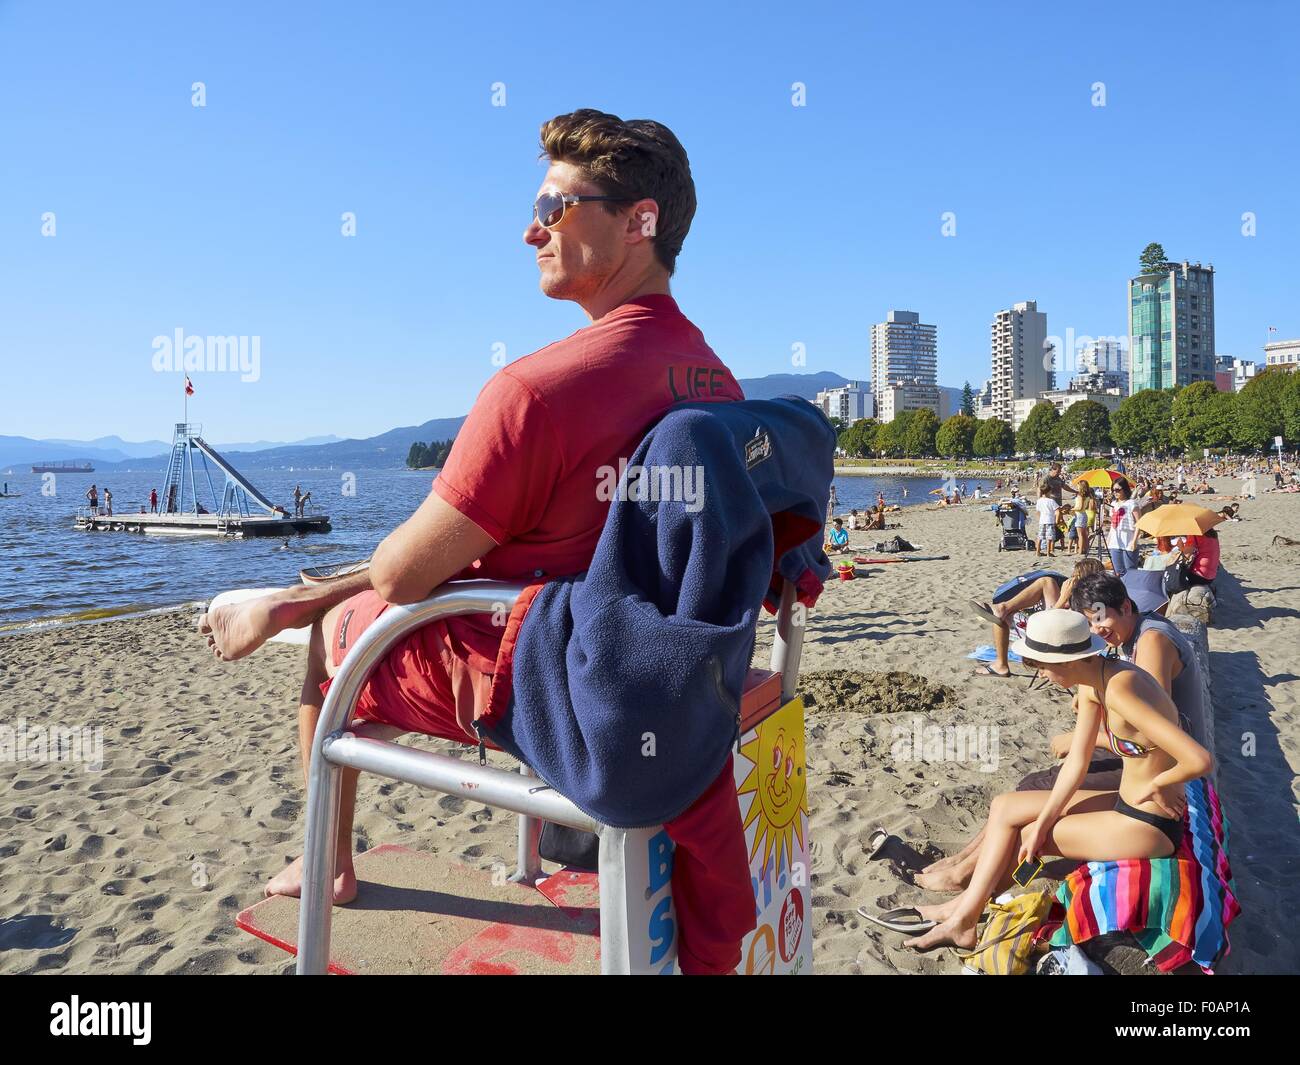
(110,453)
(113,451)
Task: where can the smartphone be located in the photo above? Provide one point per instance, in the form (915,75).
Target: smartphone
(1027,870)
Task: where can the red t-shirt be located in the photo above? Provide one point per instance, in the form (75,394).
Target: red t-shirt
(528,461)
(1206,562)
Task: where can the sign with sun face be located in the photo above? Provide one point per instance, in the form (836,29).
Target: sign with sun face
(772,786)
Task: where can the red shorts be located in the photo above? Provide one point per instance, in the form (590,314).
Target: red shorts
(420,685)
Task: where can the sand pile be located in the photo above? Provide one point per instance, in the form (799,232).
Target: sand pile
(859,692)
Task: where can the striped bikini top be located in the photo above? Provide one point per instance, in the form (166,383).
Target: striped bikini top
(1120,746)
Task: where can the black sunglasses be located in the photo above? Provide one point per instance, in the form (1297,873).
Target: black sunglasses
(550,206)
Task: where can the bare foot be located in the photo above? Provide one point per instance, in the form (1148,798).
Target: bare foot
(238,629)
(945,880)
(944,935)
(288,881)
(940,911)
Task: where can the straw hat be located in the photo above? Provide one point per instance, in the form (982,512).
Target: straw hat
(1058,636)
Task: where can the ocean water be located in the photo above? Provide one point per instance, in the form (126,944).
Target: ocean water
(50,571)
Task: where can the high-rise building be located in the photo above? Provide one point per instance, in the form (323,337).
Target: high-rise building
(904,352)
(1171,321)
(1108,355)
(1022,361)
(848,402)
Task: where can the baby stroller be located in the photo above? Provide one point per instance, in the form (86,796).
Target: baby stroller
(1011,516)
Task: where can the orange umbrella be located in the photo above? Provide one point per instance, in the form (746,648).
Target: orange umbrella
(1178,519)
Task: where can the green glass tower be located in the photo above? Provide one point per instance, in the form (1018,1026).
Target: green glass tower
(1171,323)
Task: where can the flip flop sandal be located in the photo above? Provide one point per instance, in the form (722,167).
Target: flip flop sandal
(989,671)
(906,920)
(985,611)
(876,843)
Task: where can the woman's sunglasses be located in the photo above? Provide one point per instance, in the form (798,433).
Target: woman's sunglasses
(550,206)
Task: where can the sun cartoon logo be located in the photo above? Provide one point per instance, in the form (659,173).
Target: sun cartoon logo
(778,783)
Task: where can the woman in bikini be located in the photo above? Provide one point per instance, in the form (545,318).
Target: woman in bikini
(1143,819)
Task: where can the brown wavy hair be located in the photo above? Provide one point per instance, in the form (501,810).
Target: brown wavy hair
(638,158)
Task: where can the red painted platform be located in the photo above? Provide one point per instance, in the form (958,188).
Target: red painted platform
(415,914)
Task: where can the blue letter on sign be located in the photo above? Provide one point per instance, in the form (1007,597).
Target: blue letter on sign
(661,930)
(660,861)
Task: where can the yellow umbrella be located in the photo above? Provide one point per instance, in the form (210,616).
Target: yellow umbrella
(937,492)
(1178,519)
(1099,478)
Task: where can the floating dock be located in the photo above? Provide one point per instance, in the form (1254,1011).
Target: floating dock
(180,513)
(237,525)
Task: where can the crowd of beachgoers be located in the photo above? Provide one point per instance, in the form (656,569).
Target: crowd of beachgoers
(1140,749)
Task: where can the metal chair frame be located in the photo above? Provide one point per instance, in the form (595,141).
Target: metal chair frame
(623,890)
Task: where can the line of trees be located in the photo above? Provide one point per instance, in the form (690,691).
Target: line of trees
(1200,416)
(432,454)
(1186,419)
(919,434)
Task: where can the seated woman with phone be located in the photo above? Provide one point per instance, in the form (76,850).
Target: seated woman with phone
(1143,819)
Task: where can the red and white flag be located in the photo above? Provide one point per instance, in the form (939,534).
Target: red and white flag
(189,387)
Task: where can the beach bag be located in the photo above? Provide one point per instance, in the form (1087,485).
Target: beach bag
(1007,942)
(570,847)
(1176,578)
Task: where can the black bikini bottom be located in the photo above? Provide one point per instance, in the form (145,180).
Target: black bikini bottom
(1171,827)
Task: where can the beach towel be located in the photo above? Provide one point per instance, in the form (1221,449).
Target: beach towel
(1177,908)
(986,652)
(624,683)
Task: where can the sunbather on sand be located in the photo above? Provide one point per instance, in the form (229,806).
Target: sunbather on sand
(1045,592)
(1143,818)
(517,498)
(1149,641)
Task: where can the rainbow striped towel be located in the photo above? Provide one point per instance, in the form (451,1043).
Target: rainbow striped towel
(1177,908)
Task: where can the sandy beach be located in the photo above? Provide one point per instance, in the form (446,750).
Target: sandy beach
(141,865)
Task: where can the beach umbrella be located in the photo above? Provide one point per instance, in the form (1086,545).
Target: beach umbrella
(937,492)
(1100,478)
(1178,519)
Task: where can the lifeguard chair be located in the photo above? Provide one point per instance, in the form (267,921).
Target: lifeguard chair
(460,920)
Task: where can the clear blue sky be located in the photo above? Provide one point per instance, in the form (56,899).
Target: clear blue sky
(812,221)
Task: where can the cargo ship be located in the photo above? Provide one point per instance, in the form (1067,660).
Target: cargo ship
(63,467)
